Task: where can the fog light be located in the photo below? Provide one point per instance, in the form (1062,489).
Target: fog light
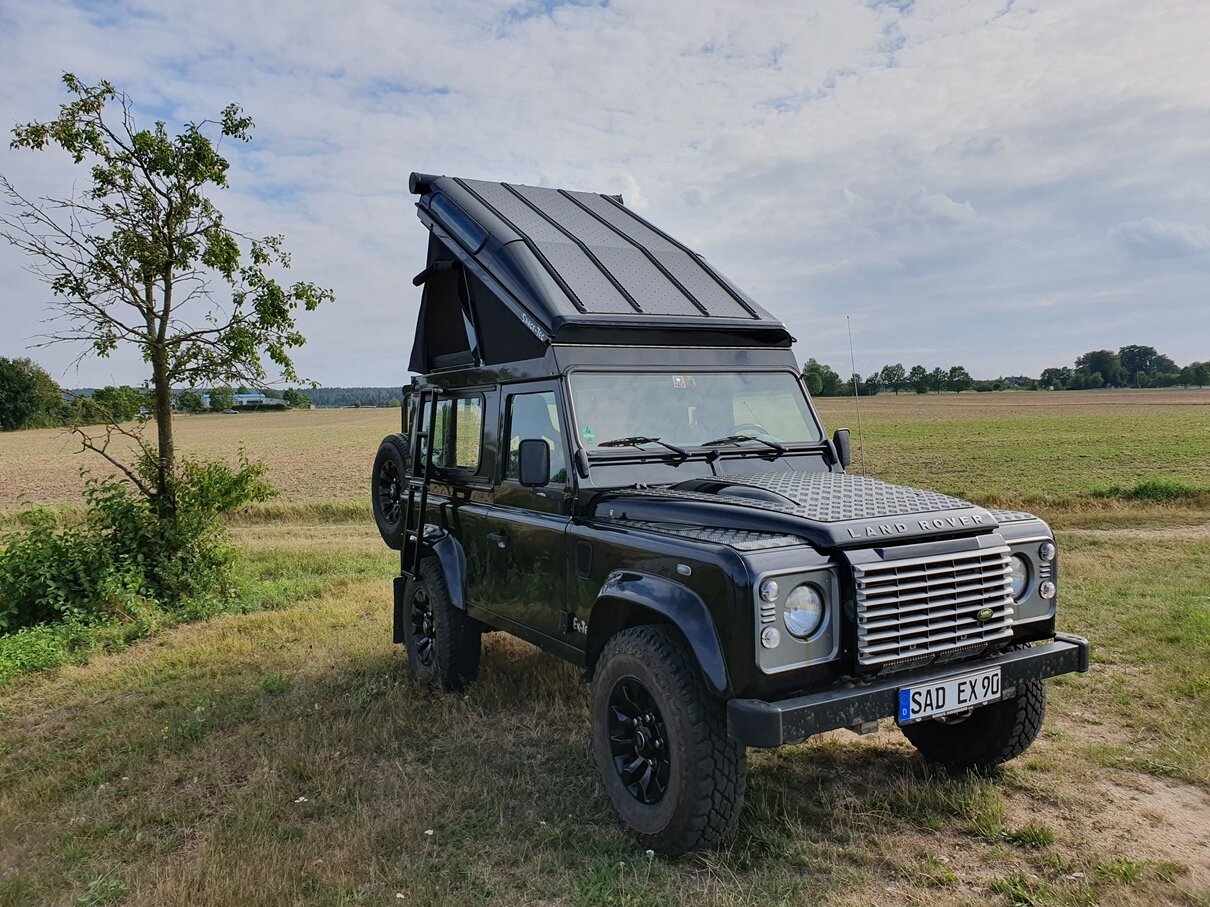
(1047,589)
(770,638)
(1047,551)
(769,590)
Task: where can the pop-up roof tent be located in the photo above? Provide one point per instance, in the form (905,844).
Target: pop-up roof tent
(513,269)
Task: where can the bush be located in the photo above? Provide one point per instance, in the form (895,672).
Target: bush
(1160,489)
(130,555)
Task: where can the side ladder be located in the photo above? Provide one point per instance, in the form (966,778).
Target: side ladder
(416,500)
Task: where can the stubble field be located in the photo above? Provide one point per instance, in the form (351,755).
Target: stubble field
(282,756)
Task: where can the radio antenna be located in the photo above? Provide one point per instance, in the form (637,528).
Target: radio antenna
(856,396)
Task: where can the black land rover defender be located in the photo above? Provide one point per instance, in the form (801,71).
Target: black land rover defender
(611,454)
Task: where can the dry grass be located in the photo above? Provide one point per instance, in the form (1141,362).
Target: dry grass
(283,757)
(313,455)
(1006,448)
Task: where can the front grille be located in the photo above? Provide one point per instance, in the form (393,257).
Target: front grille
(924,607)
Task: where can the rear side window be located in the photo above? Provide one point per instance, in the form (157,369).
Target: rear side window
(458,434)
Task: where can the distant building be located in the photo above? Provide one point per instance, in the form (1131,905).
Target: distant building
(250,401)
(258,401)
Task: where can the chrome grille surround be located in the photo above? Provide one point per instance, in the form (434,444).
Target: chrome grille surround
(926,607)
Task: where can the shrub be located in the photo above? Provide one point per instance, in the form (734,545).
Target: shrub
(1159,489)
(129,553)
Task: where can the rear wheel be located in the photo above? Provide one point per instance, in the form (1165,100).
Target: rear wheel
(443,643)
(674,775)
(388,487)
(989,736)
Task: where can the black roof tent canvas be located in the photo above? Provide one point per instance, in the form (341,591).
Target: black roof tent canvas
(513,268)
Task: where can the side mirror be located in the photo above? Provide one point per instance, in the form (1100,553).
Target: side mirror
(844,449)
(534,463)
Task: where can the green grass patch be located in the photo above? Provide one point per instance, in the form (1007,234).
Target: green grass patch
(1158,489)
(263,580)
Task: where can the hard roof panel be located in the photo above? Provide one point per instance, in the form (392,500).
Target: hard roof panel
(582,264)
(627,262)
(592,288)
(691,273)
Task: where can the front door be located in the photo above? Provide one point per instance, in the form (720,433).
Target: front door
(526,532)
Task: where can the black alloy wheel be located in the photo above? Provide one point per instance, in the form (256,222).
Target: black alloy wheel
(388,488)
(390,491)
(638,741)
(424,630)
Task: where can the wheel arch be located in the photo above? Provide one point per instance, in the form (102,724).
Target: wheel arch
(451,557)
(628,599)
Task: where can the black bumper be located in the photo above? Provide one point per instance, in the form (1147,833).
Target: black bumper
(755,722)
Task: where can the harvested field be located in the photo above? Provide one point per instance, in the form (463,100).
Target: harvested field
(1007,447)
(283,756)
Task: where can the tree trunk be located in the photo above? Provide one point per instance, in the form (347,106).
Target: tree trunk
(166,454)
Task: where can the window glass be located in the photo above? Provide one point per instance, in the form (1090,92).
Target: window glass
(690,408)
(458,433)
(535,416)
(455,220)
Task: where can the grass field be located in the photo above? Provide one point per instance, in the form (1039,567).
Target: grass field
(282,756)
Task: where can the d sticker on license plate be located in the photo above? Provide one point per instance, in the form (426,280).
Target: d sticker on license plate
(945,697)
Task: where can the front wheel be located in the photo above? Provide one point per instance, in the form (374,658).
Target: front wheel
(988,736)
(674,775)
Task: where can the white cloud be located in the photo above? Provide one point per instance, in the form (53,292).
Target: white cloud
(1150,238)
(933,170)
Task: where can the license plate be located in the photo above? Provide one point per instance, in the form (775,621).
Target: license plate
(946,697)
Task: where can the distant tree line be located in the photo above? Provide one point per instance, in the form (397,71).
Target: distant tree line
(31,398)
(325,397)
(1130,366)
(824,381)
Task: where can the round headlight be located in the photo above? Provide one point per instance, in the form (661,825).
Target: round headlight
(1020,576)
(804,610)
(1047,551)
(769,590)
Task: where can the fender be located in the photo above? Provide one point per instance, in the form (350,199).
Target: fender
(452,558)
(681,606)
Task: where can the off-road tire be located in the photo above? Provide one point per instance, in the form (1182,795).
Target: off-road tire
(456,643)
(991,735)
(393,454)
(705,788)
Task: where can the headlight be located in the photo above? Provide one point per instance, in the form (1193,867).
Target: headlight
(1020,576)
(804,610)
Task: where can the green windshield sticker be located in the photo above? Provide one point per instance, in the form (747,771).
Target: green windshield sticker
(589,434)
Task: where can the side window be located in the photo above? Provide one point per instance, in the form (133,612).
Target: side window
(458,433)
(535,416)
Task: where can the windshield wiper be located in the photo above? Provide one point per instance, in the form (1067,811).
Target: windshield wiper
(736,439)
(638,440)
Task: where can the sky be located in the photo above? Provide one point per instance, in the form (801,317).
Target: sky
(1002,185)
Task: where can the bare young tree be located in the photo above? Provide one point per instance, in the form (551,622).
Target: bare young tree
(141,257)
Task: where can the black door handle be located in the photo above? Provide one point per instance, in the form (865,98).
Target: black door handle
(500,538)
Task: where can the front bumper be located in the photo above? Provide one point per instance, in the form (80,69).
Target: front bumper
(755,722)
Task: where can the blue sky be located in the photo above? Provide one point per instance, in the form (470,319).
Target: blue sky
(998,184)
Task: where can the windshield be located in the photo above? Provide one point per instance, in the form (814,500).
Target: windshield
(689,409)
